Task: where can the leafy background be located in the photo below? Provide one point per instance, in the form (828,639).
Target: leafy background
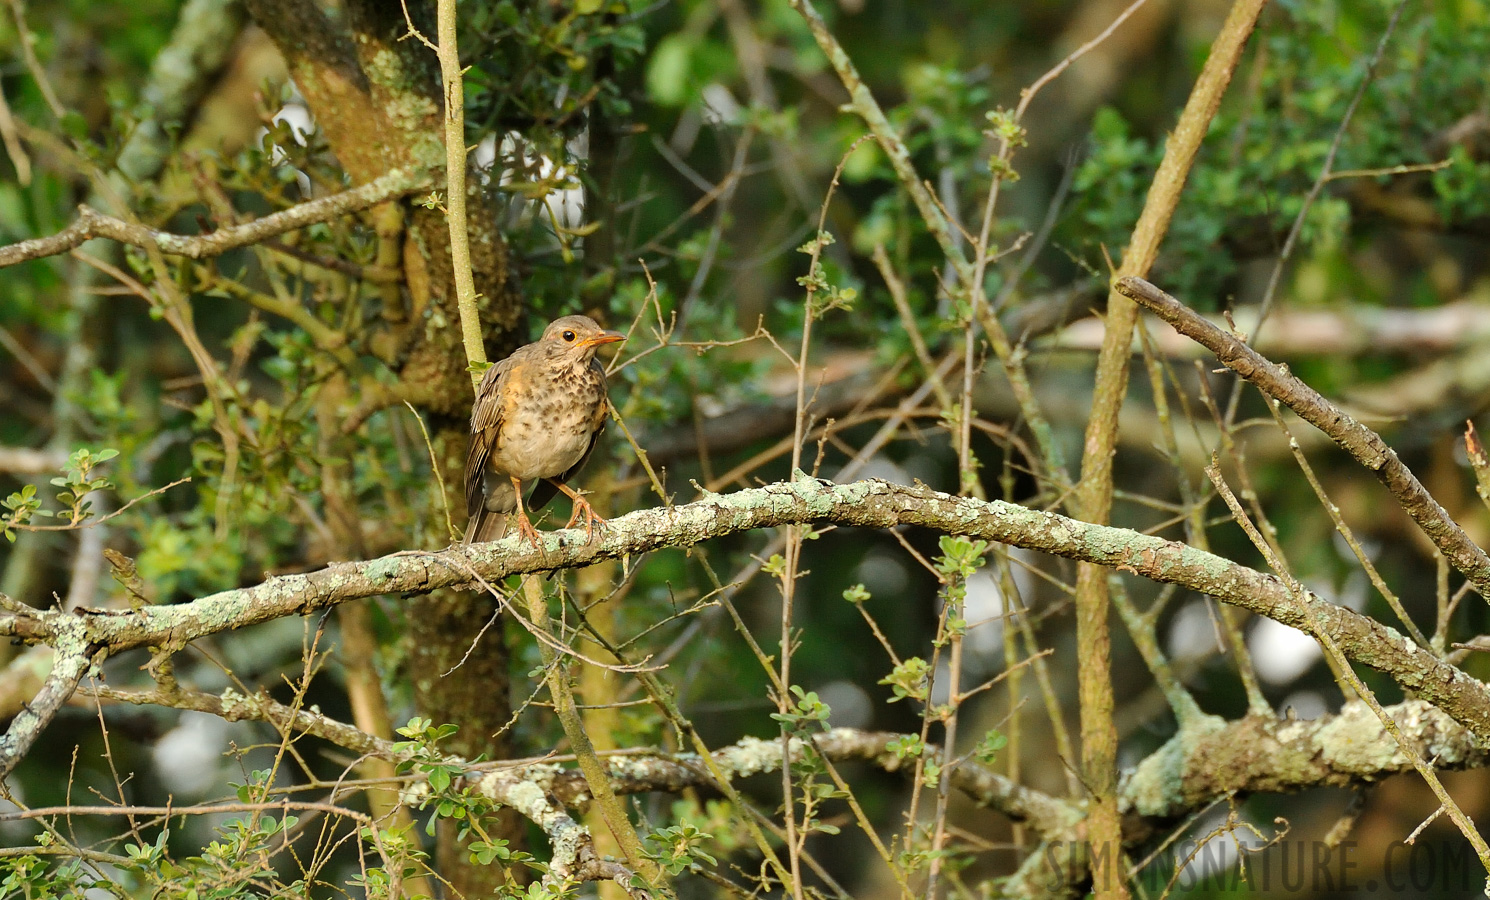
(672,157)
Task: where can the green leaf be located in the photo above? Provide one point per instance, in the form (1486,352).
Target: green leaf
(909,679)
(667,71)
(988,749)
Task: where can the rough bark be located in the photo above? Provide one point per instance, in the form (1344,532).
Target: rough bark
(379,101)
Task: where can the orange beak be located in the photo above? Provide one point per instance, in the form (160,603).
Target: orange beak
(604,337)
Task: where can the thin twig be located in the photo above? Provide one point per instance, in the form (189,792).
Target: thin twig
(89,523)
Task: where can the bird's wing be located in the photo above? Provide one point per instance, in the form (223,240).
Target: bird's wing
(546,490)
(486,422)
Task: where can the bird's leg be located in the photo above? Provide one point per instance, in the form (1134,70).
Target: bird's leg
(525,528)
(582,507)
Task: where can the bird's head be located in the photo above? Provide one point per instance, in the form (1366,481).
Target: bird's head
(577,337)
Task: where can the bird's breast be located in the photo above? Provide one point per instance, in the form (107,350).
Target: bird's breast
(548,425)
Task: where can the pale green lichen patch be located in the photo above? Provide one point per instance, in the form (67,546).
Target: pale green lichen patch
(1102,543)
(236,706)
(751,756)
(819,502)
(1156,786)
(407,106)
(527,798)
(541,775)
(174,244)
(969,511)
(384,569)
(71,639)
(1356,741)
(639,768)
(1446,741)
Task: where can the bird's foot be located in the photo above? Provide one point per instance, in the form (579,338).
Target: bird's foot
(582,508)
(525,529)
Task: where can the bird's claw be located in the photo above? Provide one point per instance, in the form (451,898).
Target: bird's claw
(526,531)
(582,508)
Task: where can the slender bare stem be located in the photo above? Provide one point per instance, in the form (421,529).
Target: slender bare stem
(455,185)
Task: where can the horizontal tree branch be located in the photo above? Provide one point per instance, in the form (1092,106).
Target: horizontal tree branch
(1355,329)
(91,224)
(26,461)
(1050,817)
(518,787)
(631,773)
(872,503)
(1209,759)
(1213,758)
(1363,444)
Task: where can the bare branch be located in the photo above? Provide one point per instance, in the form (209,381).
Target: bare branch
(1208,759)
(1363,444)
(641,772)
(93,224)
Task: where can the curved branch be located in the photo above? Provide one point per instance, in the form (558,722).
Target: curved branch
(873,503)
(91,224)
(1363,444)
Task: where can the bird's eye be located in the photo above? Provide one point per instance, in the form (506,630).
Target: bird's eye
(569,336)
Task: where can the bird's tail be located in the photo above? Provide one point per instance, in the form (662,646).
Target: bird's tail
(488,518)
(485,525)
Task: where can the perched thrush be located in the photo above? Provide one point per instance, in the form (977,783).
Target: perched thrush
(537,416)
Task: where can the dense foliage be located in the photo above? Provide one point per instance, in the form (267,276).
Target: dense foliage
(696,174)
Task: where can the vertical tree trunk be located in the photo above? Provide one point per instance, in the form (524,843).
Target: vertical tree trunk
(378,101)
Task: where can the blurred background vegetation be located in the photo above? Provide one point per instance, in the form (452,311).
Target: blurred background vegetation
(660,163)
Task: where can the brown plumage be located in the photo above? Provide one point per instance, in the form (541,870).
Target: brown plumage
(537,416)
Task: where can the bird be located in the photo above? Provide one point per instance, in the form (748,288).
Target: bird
(537,416)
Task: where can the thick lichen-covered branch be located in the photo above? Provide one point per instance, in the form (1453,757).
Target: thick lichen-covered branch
(541,791)
(67,671)
(1255,754)
(873,504)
